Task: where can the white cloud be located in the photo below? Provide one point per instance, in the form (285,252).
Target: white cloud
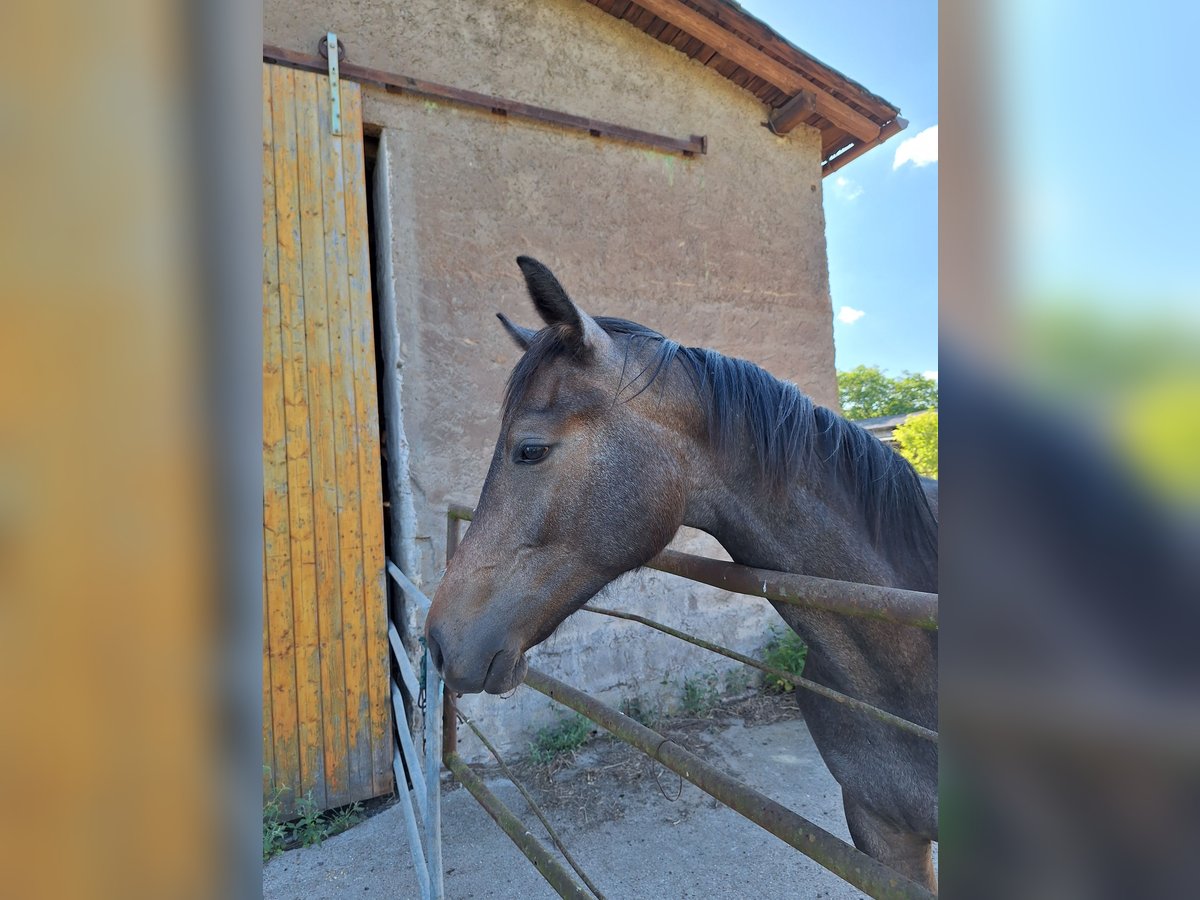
(931,374)
(846,189)
(920,149)
(849,315)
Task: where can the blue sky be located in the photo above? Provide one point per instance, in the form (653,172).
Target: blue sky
(881,222)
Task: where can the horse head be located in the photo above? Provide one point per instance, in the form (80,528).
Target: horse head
(586,482)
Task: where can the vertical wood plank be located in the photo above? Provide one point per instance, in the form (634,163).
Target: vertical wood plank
(268,731)
(280,720)
(367,417)
(299,445)
(346,450)
(309,88)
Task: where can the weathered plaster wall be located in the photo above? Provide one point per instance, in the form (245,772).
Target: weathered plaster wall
(726,250)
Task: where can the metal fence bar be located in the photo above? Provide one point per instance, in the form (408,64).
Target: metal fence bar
(547,866)
(433,786)
(409,588)
(829,693)
(411,760)
(407,672)
(534,808)
(850,598)
(850,864)
(449,706)
(410,821)
(426,785)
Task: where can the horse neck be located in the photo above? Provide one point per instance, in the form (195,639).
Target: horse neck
(814,526)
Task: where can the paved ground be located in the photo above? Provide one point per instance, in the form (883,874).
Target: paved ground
(612,815)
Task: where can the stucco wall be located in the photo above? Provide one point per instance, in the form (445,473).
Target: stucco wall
(726,250)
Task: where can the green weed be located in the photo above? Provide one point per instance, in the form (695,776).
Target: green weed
(308,829)
(785,650)
(566,736)
(275,832)
(700,695)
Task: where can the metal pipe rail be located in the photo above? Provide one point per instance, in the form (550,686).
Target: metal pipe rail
(829,693)
(849,863)
(849,598)
(548,867)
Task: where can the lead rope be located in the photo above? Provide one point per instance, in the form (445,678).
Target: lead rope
(533,806)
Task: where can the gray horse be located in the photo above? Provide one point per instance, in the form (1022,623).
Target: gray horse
(612,437)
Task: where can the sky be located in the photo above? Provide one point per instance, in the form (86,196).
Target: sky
(880,210)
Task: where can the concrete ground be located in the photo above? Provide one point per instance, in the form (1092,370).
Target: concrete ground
(613,817)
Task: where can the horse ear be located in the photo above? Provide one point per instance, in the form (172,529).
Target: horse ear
(553,304)
(522,336)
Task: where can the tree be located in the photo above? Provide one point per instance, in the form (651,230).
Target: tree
(865,392)
(917,440)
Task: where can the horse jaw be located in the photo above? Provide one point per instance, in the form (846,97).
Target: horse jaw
(506,673)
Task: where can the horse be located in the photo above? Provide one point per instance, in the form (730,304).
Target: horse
(612,436)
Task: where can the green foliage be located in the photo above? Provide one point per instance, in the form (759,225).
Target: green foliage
(700,695)
(344,819)
(309,829)
(566,736)
(917,440)
(865,392)
(275,833)
(786,651)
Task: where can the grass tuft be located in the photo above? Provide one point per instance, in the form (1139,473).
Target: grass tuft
(564,737)
(785,650)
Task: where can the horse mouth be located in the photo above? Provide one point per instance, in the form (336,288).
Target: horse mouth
(506,672)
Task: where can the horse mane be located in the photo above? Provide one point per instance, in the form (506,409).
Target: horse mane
(791,436)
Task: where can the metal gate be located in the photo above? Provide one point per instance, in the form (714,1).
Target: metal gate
(852,865)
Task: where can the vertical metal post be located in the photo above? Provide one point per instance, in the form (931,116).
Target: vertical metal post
(410,820)
(433,781)
(449,713)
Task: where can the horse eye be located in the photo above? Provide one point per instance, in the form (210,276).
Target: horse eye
(532,453)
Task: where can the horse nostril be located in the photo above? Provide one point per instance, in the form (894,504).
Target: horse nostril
(435,650)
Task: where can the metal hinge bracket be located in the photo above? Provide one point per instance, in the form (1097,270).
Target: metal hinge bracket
(335,93)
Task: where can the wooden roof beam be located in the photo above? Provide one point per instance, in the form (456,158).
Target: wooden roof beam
(856,150)
(753,60)
(792,113)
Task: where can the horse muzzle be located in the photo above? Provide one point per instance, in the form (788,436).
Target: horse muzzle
(469,669)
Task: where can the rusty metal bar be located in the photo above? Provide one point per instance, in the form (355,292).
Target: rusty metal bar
(405,84)
(458,511)
(534,808)
(547,866)
(849,598)
(829,693)
(852,865)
